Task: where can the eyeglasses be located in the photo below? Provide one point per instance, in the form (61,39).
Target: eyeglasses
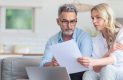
(66,22)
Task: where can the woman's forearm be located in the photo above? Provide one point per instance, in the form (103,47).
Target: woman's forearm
(102,61)
(107,53)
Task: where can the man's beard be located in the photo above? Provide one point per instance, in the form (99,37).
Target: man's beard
(68,32)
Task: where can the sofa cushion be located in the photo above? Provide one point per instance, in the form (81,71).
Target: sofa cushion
(14,68)
(0,68)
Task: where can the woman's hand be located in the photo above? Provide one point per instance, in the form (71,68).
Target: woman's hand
(97,68)
(85,61)
(116,46)
(88,62)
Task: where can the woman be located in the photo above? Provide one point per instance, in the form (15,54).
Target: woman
(107,61)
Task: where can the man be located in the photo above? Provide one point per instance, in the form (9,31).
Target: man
(67,19)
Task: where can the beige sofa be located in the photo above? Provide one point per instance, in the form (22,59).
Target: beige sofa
(13,68)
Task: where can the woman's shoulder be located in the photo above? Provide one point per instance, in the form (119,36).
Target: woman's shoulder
(98,35)
(120,35)
(120,30)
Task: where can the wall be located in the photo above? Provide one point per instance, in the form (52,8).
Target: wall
(46,25)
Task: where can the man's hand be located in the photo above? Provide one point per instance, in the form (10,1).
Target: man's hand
(54,62)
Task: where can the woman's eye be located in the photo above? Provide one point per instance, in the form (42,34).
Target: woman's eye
(92,18)
(98,17)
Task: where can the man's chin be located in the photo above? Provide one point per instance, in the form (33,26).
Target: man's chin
(68,33)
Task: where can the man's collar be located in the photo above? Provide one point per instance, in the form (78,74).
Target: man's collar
(60,39)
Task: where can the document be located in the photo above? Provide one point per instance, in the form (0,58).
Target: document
(66,54)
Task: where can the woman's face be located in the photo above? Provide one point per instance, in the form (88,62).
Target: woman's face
(97,20)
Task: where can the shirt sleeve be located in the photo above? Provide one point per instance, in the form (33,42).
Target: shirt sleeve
(118,57)
(47,57)
(86,45)
(118,54)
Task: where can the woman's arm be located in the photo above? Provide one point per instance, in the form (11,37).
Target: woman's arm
(86,61)
(115,46)
(102,61)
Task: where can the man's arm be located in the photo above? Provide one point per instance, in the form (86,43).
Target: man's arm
(86,47)
(47,57)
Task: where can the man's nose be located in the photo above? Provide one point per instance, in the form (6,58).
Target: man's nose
(69,25)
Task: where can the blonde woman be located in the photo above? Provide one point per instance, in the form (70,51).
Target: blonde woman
(107,61)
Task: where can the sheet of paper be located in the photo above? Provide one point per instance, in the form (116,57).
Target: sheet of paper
(66,53)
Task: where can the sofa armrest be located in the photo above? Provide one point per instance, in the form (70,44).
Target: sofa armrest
(22,79)
(14,67)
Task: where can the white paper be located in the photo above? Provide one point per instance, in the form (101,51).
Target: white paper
(66,54)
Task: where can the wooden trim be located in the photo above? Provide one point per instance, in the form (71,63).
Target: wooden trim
(34,4)
(23,54)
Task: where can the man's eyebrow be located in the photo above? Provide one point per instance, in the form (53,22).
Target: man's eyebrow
(70,20)
(64,19)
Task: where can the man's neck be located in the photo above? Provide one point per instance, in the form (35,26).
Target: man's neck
(66,37)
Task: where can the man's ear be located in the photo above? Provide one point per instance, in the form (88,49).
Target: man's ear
(57,21)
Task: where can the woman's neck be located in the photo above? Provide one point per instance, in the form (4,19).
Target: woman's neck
(104,33)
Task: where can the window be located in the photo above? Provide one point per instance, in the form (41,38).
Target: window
(18,16)
(19,19)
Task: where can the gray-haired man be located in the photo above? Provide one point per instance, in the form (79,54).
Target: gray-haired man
(67,19)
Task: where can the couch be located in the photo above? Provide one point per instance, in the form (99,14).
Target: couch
(13,68)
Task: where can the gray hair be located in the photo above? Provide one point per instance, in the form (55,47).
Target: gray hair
(67,8)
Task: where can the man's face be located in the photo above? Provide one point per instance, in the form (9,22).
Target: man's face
(67,22)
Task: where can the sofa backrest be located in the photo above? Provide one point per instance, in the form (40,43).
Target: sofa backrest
(14,68)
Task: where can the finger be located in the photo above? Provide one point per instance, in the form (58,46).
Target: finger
(54,59)
(120,47)
(85,64)
(119,44)
(81,58)
(85,57)
(84,60)
(55,64)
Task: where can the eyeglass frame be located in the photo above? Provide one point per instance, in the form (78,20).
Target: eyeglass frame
(66,22)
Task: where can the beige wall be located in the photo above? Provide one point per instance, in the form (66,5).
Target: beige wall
(46,22)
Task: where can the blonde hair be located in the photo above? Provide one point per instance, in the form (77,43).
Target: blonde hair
(107,14)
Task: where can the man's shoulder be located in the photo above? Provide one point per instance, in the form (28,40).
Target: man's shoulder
(80,32)
(54,37)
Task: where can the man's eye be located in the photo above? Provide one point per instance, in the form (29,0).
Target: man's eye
(64,21)
(72,21)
